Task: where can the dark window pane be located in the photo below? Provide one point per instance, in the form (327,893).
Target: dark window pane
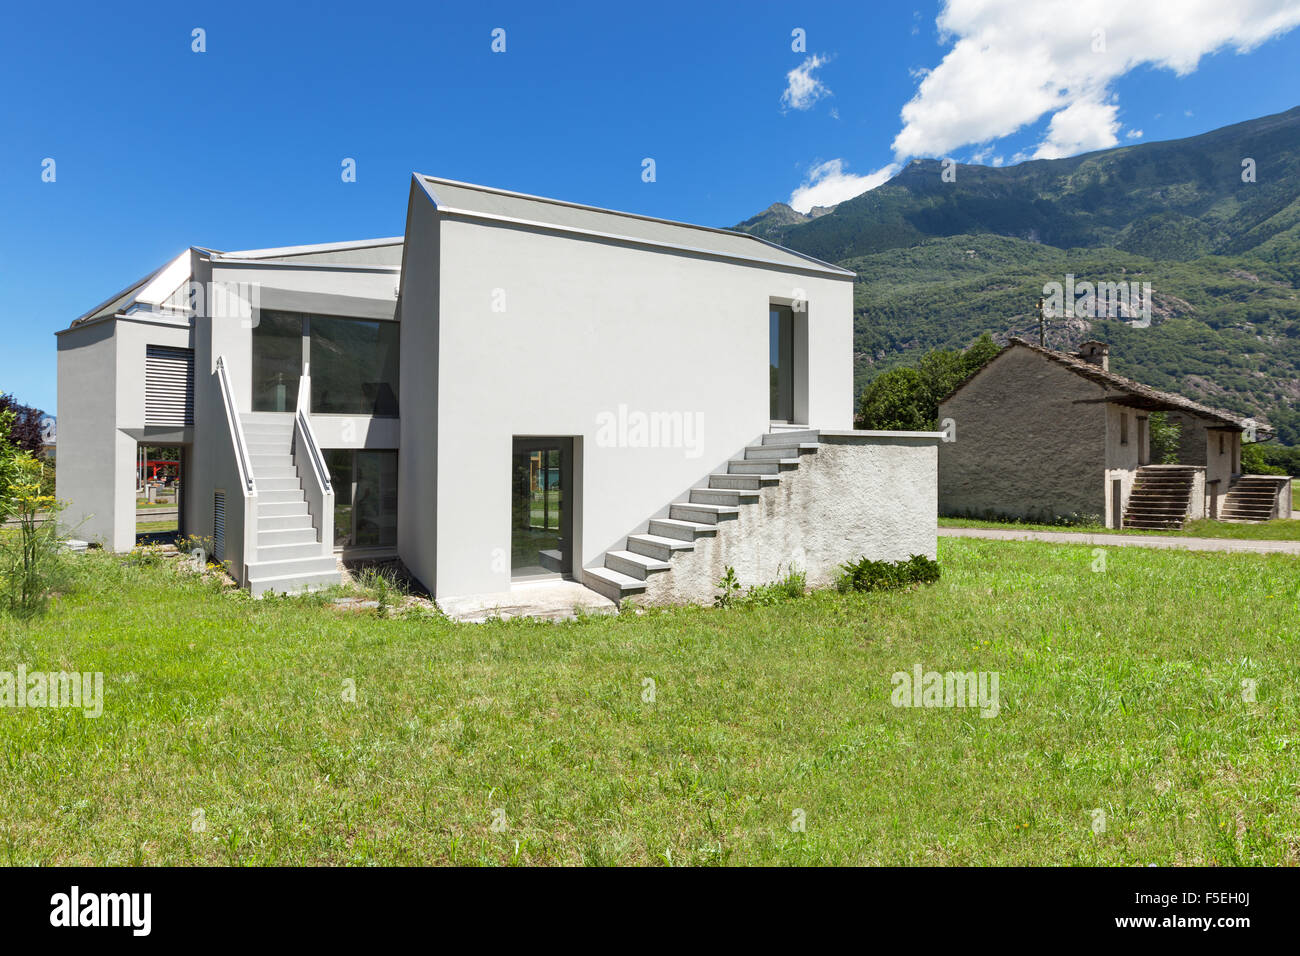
(339,463)
(375,505)
(353,366)
(277,361)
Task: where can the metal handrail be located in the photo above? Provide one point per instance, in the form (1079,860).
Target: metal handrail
(309,436)
(242,461)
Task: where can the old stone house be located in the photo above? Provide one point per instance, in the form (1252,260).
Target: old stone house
(1046,435)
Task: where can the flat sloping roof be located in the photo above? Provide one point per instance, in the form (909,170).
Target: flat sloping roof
(354,252)
(385,253)
(539,211)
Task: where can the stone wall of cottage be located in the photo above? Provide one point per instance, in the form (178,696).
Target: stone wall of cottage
(1031,443)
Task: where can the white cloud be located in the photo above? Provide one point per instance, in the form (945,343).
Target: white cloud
(1134,134)
(1081,127)
(803,89)
(1012,63)
(828,184)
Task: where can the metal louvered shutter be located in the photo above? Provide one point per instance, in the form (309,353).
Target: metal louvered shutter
(219,526)
(168,386)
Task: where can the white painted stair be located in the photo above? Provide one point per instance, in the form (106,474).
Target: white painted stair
(704,513)
(290,555)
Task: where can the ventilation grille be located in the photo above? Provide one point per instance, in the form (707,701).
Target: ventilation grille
(219,526)
(168,386)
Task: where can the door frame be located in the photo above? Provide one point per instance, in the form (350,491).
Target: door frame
(567,446)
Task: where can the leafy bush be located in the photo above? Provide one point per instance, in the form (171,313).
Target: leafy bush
(867,575)
(1254,462)
(907,399)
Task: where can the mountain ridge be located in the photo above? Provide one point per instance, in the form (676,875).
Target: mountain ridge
(941,261)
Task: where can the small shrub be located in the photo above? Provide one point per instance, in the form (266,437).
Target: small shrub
(729,587)
(793,585)
(33,563)
(867,575)
(146,556)
(385,586)
(190,543)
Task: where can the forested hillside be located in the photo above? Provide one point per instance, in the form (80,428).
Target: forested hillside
(941,262)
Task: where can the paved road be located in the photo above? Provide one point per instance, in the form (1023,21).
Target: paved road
(1127,540)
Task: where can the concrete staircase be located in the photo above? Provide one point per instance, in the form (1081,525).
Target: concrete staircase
(290,554)
(704,513)
(1161,497)
(1252,498)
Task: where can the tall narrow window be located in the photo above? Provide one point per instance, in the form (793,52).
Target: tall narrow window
(780,337)
(1123,428)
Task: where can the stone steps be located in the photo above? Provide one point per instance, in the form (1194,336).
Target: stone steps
(707,511)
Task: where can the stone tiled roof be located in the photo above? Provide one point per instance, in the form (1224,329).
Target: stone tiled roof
(1142,396)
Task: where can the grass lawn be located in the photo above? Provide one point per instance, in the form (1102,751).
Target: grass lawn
(153,527)
(1280,530)
(1120,691)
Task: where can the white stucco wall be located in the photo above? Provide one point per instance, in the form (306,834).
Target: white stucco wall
(88,436)
(588,327)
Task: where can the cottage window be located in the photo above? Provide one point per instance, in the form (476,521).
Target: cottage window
(1123,428)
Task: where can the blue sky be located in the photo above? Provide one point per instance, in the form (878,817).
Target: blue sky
(158,147)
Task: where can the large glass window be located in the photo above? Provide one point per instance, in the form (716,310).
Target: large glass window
(353,366)
(365,497)
(353,363)
(277,361)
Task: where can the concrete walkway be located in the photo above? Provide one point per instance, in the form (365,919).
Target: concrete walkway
(1128,540)
(551,599)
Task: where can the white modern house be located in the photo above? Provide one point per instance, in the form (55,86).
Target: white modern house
(520,389)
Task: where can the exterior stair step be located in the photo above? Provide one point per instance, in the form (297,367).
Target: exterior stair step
(280,509)
(772,466)
(746,482)
(779,452)
(704,514)
(683,530)
(612,584)
(634,565)
(657,546)
(284,522)
(791,436)
(723,496)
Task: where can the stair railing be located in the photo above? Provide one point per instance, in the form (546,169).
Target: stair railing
(244,470)
(236,428)
(310,462)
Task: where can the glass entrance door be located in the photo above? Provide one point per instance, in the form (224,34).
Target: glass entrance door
(540,479)
(781,362)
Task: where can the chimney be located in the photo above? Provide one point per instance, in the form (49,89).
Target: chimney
(1096,353)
